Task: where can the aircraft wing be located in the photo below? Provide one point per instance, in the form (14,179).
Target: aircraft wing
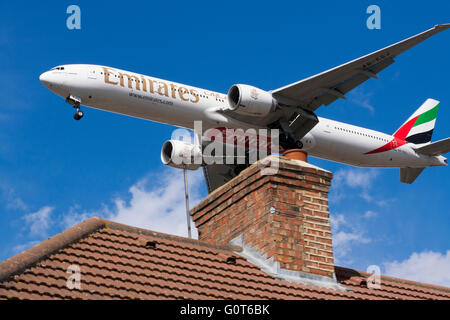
(326,87)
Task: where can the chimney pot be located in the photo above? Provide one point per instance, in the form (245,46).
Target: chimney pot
(296,154)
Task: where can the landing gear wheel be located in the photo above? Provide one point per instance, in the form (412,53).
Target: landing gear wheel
(78,115)
(287,142)
(299,144)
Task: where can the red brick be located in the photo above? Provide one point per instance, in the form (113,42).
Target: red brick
(243,208)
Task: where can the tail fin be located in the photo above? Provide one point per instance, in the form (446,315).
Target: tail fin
(419,127)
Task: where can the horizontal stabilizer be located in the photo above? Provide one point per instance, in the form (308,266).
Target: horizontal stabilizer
(436,148)
(408,175)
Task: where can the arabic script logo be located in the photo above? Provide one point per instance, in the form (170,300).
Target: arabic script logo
(254,94)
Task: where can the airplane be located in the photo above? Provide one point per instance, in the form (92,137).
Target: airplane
(289,109)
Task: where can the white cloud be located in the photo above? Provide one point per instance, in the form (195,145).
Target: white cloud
(427,266)
(74,217)
(156,203)
(342,240)
(38,222)
(370,214)
(16,203)
(336,220)
(366,194)
(22,247)
(362,99)
(345,235)
(11,199)
(355,178)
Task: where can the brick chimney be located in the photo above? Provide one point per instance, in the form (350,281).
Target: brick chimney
(283,218)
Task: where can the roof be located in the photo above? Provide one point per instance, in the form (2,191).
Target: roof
(122,262)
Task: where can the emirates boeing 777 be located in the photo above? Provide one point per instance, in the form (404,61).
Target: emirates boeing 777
(289,109)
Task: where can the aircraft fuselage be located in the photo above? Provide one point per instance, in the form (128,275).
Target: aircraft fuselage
(172,103)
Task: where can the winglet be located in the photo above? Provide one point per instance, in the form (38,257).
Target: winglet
(442,26)
(309,92)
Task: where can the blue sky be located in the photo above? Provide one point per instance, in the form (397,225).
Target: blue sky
(55,171)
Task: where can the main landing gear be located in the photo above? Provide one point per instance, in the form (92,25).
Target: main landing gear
(287,142)
(287,138)
(78,114)
(76,103)
(292,130)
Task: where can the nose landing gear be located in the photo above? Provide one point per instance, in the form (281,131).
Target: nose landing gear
(78,114)
(76,103)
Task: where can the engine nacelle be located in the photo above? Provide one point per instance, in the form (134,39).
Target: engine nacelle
(181,155)
(248,100)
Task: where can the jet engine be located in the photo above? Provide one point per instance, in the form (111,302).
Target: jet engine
(248,100)
(181,155)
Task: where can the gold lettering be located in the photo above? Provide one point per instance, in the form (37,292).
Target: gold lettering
(144,84)
(107,73)
(183,91)
(150,82)
(172,87)
(130,80)
(163,85)
(195,95)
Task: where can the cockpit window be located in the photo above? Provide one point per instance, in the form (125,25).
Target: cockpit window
(58,68)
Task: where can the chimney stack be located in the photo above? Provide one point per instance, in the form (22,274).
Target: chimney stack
(282,219)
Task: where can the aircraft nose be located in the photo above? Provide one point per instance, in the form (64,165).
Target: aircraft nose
(45,79)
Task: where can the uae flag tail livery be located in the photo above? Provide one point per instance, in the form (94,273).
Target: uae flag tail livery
(418,129)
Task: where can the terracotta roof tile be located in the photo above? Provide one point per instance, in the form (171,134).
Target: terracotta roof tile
(121,262)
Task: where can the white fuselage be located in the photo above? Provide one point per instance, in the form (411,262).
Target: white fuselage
(180,105)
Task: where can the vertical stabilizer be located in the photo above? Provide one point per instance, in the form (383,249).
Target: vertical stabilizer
(418,129)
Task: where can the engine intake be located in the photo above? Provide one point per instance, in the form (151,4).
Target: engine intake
(248,100)
(181,155)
